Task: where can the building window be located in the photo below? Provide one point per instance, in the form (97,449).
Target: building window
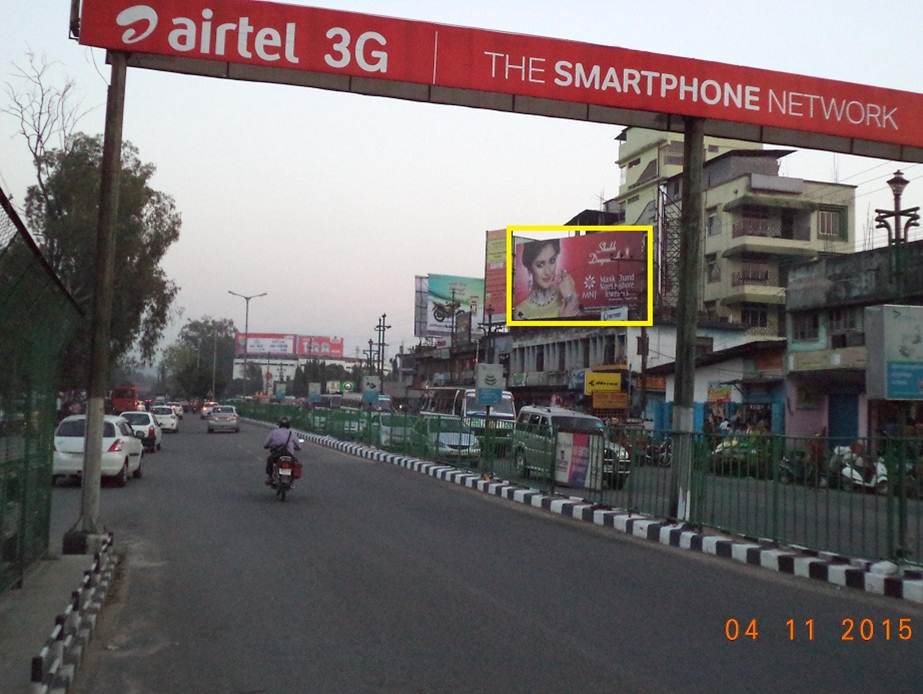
(633,198)
(562,366)
(846,319)
(634,162)
(712,148)
(540,358)
(754,315)
(831,224)
(712,223)
(704,345)
(846,327)
(805,326)
(713,271)
(711,310)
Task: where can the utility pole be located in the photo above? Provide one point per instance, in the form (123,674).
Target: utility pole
(214,357)
(369,354)
(246,330)
(492,328)
(84,536)
(380,329)
(687,309)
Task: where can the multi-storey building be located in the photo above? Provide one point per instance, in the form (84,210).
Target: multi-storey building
(827,355)
(757,224)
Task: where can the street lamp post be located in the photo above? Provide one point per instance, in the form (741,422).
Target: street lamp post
(246,330)
(898,232)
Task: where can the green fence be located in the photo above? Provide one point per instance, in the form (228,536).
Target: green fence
(37,316)
(863,500)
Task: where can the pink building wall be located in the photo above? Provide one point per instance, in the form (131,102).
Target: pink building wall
(807,422)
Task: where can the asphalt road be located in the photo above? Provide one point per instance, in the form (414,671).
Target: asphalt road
(371,578)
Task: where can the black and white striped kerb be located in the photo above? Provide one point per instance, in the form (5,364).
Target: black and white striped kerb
(796,561)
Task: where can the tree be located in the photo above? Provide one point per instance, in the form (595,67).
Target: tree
(189,361)
(62,210)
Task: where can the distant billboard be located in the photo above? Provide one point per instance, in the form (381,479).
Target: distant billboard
(264,343)
(448,294)
(438,297)
(578,275)
(495,275)
(283,344)
(320,346)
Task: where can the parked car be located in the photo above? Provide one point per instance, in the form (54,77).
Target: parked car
(177,408)
(207,407)
(223,418)
(145,424)
(166,417)
(122,449)
(445,437)
(540,449)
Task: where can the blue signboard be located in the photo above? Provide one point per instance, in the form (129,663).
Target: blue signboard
(905,380)
(489,383)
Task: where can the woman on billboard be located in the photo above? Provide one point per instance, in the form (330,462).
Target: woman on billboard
(552,293)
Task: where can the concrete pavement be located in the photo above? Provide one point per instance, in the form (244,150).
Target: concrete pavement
(27,614)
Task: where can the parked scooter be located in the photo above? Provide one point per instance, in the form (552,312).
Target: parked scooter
(849,469)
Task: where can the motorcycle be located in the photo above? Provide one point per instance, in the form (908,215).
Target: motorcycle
(659,454)
(796,467)
(285,470)
(850,470)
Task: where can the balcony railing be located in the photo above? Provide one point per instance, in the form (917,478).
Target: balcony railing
(753,276)
(757,227)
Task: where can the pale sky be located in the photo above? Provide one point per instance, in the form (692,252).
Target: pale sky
(332,202)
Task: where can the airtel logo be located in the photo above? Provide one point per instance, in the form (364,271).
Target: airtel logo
(132,15)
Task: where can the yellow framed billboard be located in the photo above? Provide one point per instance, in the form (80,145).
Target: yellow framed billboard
(564,278)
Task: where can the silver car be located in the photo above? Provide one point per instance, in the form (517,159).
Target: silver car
(223,418)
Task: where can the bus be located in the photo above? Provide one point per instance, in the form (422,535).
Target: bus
(124,398)
(462,402)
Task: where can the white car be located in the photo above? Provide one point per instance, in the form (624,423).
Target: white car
(166,417)
(223,418)
(144,423)
(122,449)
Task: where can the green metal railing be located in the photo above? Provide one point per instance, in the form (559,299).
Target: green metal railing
(790,490)
(37,318)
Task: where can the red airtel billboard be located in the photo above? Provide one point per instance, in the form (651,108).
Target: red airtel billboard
(377,48)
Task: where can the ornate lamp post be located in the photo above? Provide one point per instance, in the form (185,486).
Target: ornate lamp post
(898,231)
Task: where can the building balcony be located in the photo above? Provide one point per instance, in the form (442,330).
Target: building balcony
(846,358)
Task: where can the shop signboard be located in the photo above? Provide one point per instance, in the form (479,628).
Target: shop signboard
(894,364)
(719,392)
(596,381)
(606,400)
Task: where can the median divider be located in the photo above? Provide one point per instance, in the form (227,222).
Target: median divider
(54,667)
(881,578)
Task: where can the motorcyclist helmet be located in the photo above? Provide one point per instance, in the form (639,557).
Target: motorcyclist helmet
(284,423)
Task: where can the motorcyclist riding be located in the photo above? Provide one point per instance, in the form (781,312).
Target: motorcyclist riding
(279,441)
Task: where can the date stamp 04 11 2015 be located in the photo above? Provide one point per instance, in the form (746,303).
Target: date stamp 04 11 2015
(850,629)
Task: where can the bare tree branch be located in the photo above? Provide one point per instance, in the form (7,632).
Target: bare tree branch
(47,114)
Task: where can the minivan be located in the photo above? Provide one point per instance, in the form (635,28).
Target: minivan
(569,446)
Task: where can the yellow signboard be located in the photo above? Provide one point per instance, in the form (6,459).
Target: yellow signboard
(596,382)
